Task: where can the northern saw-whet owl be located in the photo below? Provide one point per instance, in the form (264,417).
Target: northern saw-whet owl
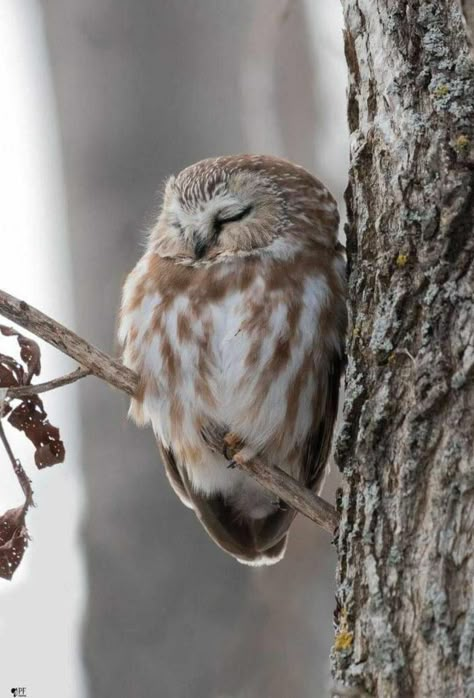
(234,319)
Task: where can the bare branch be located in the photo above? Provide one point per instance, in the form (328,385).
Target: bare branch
(23,479)
(113,372)
(299,498)
(98,363)
(27,390)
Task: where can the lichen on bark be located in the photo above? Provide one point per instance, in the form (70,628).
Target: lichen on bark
(405,542)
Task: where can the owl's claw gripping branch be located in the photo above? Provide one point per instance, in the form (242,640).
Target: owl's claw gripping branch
(232,445)
(291,492)
(97,363)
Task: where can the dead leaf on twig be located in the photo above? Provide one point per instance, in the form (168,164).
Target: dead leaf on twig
(29,351)
(30,416)
(13,540)
(11,374)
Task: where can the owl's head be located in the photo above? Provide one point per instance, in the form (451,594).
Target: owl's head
(241,205)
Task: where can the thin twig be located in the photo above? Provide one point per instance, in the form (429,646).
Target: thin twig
(22,477)
(98,363)
(27,390)
(286,487)
(113,372)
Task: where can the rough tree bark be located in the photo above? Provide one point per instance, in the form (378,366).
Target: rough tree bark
(405,544)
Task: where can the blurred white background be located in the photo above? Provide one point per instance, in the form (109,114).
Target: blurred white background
(41,609)
(100,101)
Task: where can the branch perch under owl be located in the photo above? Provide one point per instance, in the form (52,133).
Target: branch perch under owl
(95,362)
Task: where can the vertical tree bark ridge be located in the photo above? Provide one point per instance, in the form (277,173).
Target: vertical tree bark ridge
(405,543)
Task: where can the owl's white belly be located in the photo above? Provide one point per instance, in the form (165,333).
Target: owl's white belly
(233,364)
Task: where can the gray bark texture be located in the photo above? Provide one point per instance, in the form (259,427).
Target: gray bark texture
(405,543)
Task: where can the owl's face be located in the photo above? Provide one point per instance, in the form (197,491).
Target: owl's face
(235,206)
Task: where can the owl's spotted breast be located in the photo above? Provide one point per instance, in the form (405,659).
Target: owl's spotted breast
(247,340)
(244,345)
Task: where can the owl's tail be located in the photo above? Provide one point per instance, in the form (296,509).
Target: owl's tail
(252,541)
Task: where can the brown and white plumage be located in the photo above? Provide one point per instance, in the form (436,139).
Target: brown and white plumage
(234,319)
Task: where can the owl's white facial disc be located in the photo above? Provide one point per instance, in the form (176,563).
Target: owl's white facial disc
(201,223)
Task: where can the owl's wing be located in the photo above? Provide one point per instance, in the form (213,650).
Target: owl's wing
(174,475)
(253,541)
(316,450)
(261,541)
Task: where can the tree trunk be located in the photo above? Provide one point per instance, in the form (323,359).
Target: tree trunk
(406,540)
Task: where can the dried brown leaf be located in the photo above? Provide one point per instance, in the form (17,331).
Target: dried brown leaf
(31,418)
(30,415)
(29,351)
(11,373)
(31,355)
(13,540)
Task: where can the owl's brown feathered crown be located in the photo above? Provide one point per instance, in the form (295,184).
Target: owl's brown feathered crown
(241,205)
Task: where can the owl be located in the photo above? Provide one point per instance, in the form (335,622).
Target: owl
(234,320)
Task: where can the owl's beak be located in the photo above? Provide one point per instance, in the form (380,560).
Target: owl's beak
(200,242)
(200,248)
(203,237)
